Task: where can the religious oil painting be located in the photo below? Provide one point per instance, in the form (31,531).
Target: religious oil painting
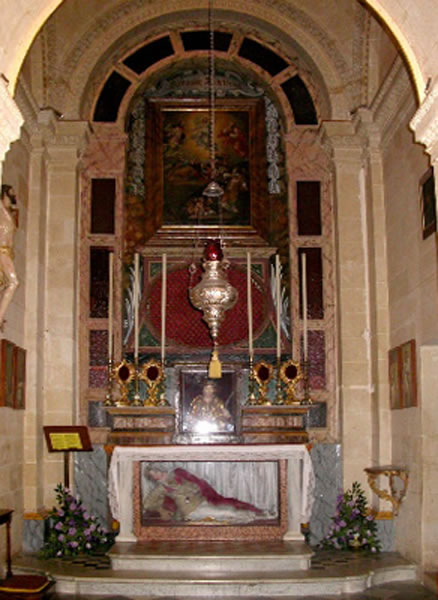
(209,492)
(19,378)
(394,367)
(7,357)
(408,374)
(183,168)
(207,407)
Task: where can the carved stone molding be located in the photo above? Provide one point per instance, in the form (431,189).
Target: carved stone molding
(27,105)
(393,102)
(425,123)
(11,120)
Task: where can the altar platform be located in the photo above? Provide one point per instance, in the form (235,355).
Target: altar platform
(330,574)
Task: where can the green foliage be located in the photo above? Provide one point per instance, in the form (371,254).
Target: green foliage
(352,526)
(72,529)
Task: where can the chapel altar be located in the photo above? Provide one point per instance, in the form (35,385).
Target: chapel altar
(213,369)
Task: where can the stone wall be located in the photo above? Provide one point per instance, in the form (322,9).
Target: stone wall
(12,422)
(412,286)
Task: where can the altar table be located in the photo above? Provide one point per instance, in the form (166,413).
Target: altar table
(300,476)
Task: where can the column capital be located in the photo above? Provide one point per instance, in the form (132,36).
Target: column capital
(342,140)
(64,139)
(11,119)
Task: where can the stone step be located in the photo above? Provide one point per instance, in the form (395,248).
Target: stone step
(217,557)
(330,573)
(192,584)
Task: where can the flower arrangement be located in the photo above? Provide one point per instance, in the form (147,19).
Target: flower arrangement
(72,529)
(352,527)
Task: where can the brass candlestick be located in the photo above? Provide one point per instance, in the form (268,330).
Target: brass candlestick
(307,400)
(252,399)
(279,392)
(109,400)
(137,399)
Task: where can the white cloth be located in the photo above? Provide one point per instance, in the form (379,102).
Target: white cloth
(301,481)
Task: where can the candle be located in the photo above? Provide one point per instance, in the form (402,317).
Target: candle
(136,290)
(163,305)
(278,294)
(110,305)
(304,303)
(249,301)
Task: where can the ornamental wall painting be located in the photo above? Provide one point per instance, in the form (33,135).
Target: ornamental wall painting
(187,169)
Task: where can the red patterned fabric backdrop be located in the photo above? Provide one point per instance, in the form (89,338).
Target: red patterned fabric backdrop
(184,324)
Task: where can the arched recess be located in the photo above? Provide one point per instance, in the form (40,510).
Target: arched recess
(303,98)
(305,163)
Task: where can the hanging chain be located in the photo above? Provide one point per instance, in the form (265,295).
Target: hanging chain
(212,93)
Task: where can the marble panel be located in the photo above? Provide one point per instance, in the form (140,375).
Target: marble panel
(90,477)
(327,465)
(386,533)
(317,415)
(98,415)
(33,535)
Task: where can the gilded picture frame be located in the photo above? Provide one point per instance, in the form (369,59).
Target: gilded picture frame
(179,167)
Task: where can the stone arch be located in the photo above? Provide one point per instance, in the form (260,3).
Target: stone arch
(23,25)
(90,60)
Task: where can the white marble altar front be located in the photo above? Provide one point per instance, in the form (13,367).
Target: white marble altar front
(300,477)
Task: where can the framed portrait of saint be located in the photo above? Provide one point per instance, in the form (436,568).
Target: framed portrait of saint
(178,163)
(208,409)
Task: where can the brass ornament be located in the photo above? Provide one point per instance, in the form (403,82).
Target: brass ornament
(290,375)
(152,374)
(263,373)
(124,373)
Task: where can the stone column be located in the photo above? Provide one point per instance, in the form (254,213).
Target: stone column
(352,243)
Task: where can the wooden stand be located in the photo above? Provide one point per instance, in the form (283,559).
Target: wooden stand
(24,587)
